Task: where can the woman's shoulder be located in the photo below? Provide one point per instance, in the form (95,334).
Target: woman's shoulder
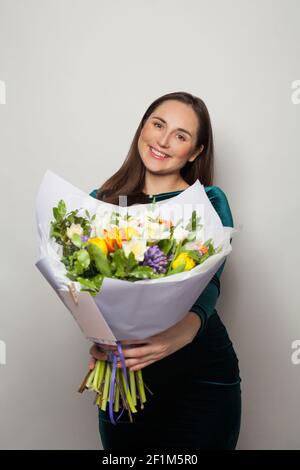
(214,191)
(219,200)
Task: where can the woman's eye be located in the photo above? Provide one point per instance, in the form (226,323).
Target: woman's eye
(159,124)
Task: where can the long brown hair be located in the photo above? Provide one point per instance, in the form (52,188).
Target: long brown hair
(129,179)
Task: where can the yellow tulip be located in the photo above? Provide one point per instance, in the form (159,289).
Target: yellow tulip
(128,232)
(100,243)
(189,262)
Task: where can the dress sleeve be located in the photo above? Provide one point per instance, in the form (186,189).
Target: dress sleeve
(205,304)
(93,193)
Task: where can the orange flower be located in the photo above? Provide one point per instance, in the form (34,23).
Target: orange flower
(167,223)
(113,239)
(203,249)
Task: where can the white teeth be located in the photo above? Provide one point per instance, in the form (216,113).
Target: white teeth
(158,153)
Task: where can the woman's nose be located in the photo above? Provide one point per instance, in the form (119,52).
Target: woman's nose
(163,141)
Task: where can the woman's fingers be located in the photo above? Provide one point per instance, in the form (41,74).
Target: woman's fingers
(97,353)
(134,341)
(133,356)
(92,363)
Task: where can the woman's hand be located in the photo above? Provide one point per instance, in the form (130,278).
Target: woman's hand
(155,347)
(100,354)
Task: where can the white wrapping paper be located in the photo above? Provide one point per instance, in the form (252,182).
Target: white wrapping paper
(122,309)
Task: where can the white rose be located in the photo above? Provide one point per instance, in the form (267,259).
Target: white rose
(137,247)
(75,228)
(155,231)
(180,233)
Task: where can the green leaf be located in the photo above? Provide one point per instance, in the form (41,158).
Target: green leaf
(179,269)
(207,242)
(211,250)
(131,262)
(165,245)
(194,254)
(93,283)
(141,272)
(56,213)
(83,258)
(204,257)
(120,261)
(56,234)
(71,275)
(76,240)
(62,208)
(178,249)
(100,259)
(191,236)
(115,218)
(194,222)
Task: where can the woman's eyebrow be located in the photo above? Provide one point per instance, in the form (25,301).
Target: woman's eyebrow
(178,129)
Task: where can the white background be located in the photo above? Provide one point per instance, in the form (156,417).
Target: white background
(78,77)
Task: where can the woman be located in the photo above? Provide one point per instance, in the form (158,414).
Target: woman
(192,367)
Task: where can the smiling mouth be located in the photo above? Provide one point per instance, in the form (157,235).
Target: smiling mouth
(159,155)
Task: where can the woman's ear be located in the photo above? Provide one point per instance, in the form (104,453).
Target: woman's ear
(196,153)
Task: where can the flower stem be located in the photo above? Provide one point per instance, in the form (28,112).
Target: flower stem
(141,389)
(83,386)
(106,387)
(89,382)
(100,375)
(96,376)
(117,395)
(132,386)
(99,380)
(127,394)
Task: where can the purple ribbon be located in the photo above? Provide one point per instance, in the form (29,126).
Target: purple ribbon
(113,359)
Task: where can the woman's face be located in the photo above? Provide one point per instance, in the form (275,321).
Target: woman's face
(171,130)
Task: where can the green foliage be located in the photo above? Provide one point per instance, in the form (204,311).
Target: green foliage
(91,285)
(166,245)
(87,264)
(63,221)
(194,223)
(177,270)
(100,259)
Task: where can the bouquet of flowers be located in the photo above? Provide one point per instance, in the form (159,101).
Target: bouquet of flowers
(102,260)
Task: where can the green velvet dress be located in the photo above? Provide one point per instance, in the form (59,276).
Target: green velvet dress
(196,401)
